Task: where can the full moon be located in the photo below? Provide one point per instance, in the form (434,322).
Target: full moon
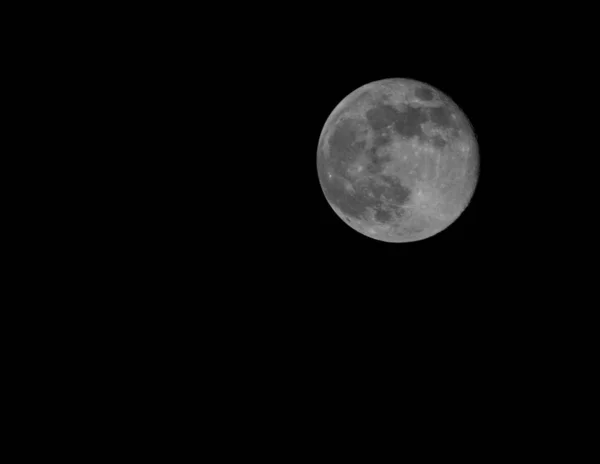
(397,160)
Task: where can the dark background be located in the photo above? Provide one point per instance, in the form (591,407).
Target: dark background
(244,265)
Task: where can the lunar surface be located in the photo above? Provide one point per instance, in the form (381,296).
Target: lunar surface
(397,160)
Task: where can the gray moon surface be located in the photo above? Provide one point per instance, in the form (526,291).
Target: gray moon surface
(397,160)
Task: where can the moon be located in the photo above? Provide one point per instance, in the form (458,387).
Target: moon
(397,160)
